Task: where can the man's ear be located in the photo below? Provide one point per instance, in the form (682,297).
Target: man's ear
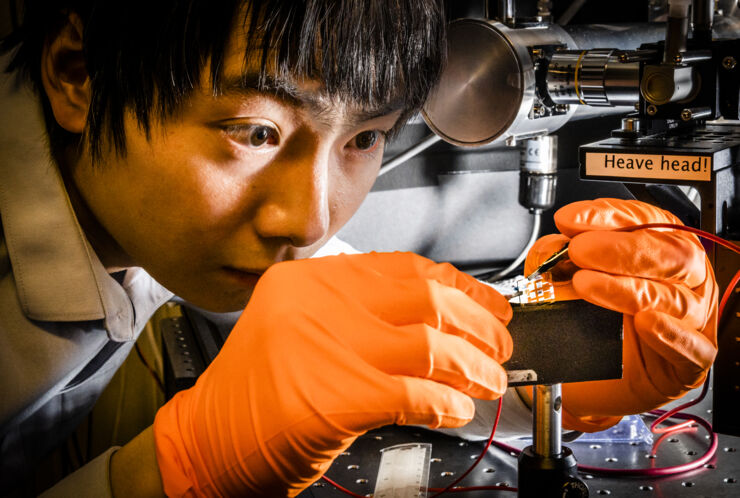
(64,76)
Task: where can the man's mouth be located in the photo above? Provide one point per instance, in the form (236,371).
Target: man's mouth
(248,276)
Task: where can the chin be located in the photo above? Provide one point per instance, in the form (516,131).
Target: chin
(225,303)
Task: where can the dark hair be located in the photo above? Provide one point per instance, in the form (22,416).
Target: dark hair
(148,56)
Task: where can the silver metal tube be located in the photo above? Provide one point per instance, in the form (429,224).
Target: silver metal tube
(593,77)
(408,154)
(677,30)
(703,17)
(622,36)
(506,9)
(547,420)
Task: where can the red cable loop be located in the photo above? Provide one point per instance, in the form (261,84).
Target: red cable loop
(662,414)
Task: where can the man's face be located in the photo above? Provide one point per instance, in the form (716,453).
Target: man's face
(233,184)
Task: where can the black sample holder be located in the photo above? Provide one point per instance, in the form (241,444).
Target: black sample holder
(567,341)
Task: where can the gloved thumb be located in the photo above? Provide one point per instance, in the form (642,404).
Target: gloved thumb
(541,250)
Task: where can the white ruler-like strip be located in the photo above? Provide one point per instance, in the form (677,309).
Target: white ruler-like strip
(404,471)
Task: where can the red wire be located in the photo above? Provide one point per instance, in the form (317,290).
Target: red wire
(701,233)
(450,486)
(665,471)
(653,472)
(726,296)
(662,414)
(480,457)
(342,488)
(670,413)
(672,430)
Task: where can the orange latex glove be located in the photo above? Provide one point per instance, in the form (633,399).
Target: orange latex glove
(327,349)
(661,280)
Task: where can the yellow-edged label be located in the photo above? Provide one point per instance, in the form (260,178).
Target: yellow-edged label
(663,166)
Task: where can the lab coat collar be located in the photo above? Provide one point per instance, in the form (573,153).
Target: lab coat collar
(58,275)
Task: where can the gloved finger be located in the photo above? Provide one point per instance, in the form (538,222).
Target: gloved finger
(604,214)
(460,315)
(425,402)
(407,265)
(688,352)
(421,351)
(545,247)
(484,295)
(632,295)
(422,301)
(668,256)
(542,249)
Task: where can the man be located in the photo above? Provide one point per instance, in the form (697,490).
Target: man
(217,145)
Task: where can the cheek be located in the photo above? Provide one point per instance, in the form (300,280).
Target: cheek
(173,197)
(349,191)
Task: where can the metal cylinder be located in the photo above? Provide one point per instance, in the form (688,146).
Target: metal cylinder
(539,155)
(623,36)
(488,90)
(677,32)
(537,179)
(593,77)
(506,9)
(547,420)
(666,83)
(703,19)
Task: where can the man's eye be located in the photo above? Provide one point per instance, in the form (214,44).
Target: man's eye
(253,135)
(366,141)
(260,135)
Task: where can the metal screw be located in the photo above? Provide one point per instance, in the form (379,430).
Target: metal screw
(729,62)
(637,106)
(686,115)
(652,110)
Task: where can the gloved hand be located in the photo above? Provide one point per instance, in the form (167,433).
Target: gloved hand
(327,349)
(661,280)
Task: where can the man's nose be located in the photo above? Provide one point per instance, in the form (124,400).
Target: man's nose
(296,200)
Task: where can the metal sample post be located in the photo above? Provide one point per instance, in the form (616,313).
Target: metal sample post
(547,420)
(547,468)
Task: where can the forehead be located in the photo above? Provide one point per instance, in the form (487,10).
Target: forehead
(248,69)
(305,94)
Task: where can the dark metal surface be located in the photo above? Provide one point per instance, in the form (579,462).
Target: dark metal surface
(548,336)
(720,478)
(183,360)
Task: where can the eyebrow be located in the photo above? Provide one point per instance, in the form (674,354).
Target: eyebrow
(320,104)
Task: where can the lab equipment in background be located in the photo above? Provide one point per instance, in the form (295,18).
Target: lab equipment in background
(537,184)
(518,77)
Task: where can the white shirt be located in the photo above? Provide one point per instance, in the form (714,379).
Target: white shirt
(66,325)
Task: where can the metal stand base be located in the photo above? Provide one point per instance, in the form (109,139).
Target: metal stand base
(549,476)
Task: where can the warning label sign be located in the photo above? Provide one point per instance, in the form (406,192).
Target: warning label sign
(666,167)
